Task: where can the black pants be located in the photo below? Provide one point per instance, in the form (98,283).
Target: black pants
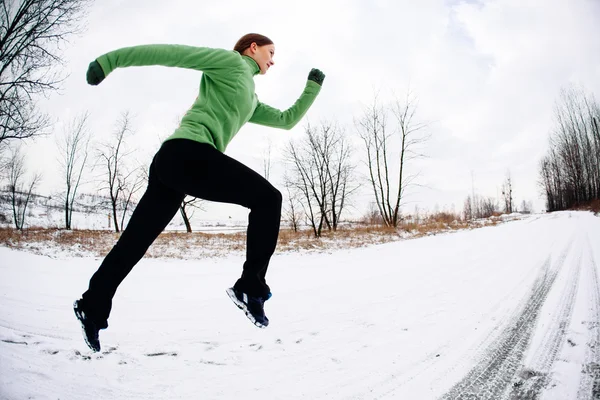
(184,167)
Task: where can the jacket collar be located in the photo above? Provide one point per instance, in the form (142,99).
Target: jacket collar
(252,64)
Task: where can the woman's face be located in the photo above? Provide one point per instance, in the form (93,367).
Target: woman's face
(263,55)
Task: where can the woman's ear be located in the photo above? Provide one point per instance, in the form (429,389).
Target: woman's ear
(253,47)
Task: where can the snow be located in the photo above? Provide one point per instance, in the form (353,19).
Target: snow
(517,304)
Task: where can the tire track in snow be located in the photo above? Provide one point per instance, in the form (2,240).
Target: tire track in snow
(589,386)
(493,375)
(533,378)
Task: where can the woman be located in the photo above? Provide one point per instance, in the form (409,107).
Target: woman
(191,162)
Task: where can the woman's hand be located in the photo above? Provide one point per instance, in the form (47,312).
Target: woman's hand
(317,76)
(95,75)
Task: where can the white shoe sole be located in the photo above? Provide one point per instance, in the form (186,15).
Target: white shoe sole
(244,307)
(79,318)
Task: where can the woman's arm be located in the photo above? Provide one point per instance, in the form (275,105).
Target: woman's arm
(169,55)
(269,116)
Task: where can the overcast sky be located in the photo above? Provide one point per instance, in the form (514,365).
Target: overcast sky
(486,75)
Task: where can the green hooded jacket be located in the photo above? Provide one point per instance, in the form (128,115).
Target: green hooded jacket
(226,99)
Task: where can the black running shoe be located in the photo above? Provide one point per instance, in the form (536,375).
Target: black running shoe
(253,307)
(90,330)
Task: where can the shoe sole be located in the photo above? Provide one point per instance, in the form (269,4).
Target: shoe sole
(242,306)
(80,319)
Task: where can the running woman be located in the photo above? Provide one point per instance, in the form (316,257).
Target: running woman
(191,162)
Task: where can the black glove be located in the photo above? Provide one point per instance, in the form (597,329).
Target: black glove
(316,75)
(95,75)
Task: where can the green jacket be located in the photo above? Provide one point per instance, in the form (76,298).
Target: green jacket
(226,100)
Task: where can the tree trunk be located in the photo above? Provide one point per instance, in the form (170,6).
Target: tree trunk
(186,220)
(114,215)
(67,219)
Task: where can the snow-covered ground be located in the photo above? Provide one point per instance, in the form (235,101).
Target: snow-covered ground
(510,311)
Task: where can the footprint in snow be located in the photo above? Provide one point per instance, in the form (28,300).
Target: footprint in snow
(210,345)
(162,353)
(19,341)
(109,350)
(14,342)
(78,356)
(208,362)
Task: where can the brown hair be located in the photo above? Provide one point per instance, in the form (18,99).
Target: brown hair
(246,40)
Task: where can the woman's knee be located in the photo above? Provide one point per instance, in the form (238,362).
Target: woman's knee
(278,197)
(271,198)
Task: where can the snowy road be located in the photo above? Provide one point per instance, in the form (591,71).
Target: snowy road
(504,312)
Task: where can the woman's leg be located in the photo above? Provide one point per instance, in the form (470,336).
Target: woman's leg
(187,167)
(201,171)
(155,210)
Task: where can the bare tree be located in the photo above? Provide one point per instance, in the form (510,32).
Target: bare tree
(551,179)
(487,207)
(188,205)
(321,172)
(267,159)
(507,194)
(468,209)
(20,192)
(373,130)
(133,182)
(526,207)
(121,181)
(412,138)
(31,33)
(303,182)
(292,211)
(479,207)
(373,215)
(377,135)
(73,147)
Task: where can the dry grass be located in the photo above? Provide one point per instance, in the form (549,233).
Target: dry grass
(593,206)
(204,245)
(99,243)
(87,241)
(348,237)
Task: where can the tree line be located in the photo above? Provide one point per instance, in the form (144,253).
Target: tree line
(570,171)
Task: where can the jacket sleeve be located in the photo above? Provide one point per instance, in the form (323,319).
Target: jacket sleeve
(269,116)
(169,55)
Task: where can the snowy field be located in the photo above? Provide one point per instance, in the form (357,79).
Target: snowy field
(504,312)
